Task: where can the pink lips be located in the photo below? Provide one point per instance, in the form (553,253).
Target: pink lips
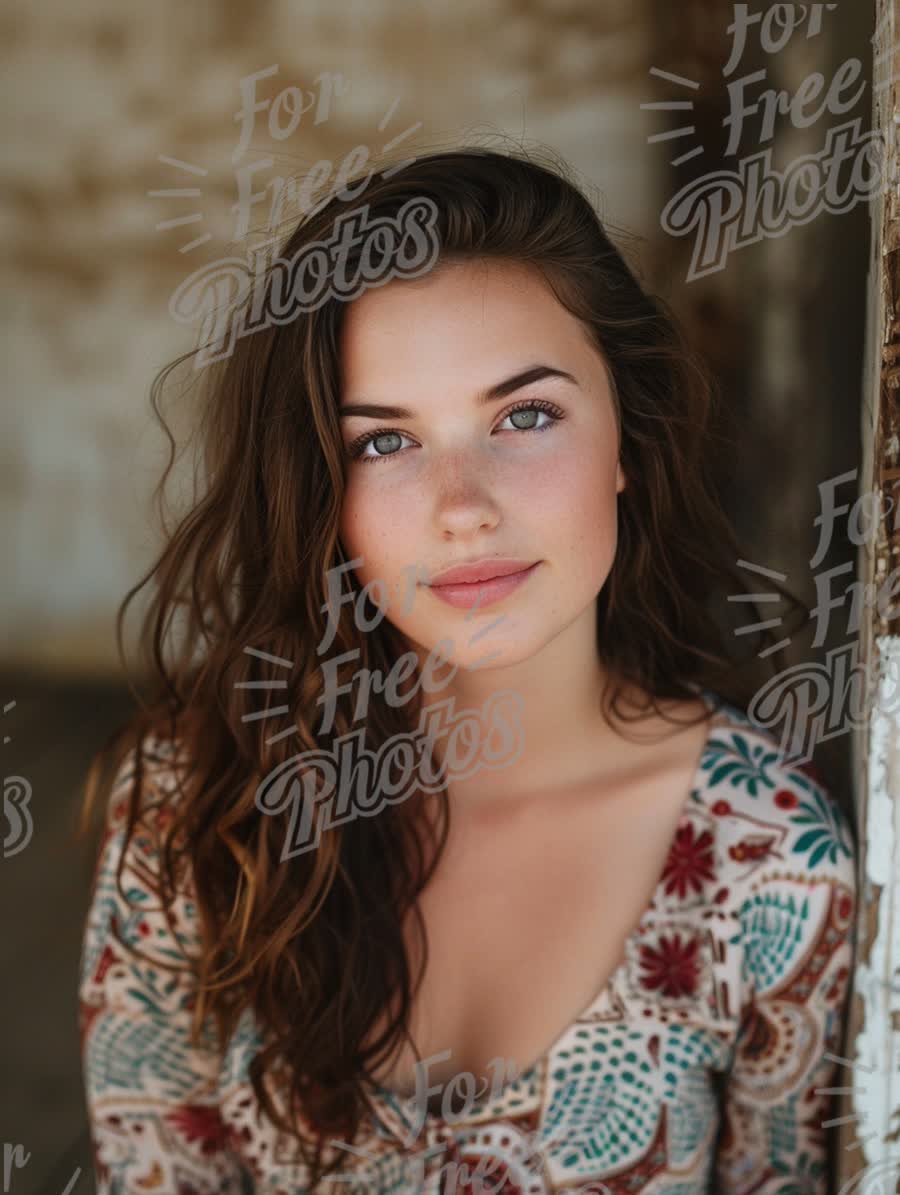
(481,582)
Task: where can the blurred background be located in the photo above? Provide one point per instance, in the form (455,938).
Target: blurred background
(129,166)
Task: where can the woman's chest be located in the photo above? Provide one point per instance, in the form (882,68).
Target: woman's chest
(525,922)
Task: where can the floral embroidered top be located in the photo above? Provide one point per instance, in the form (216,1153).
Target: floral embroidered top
(697,1068)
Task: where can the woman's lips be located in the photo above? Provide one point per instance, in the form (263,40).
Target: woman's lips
(482,593)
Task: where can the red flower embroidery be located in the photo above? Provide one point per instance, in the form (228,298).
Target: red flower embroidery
(107,958)
(752,848)
(199,1122)
(785,799)
(690,862)
(673,967)
(720,808)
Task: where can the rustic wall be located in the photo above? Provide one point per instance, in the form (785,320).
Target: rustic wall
(875,1021)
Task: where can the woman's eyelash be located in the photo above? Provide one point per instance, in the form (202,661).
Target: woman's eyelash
(356,447)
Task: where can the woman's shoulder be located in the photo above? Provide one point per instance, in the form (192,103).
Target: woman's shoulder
(783,834)
(128,910)
(153,1076)
(163,764)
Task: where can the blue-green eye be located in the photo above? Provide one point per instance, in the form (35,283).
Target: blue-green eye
(377,438)
(541,408)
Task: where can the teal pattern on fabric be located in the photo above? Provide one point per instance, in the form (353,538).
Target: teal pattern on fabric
(701,1064)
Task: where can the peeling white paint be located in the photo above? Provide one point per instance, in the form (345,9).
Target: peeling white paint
(877,982)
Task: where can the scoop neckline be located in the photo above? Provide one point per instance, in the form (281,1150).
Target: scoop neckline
(406,1105)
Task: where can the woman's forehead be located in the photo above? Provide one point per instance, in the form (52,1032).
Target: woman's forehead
(488,308)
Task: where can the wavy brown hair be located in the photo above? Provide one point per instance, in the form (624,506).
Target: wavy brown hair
(314,945)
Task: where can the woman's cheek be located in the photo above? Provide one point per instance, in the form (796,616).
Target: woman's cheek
(557,488)
(378,531)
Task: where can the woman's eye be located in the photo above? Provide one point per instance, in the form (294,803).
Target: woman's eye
(523,417)
(386,443)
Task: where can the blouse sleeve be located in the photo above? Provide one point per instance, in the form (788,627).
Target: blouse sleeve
(797,933)
(151,1095)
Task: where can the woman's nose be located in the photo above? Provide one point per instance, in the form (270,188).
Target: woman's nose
(464,496)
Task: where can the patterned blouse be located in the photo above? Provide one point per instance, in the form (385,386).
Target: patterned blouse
(698,1068)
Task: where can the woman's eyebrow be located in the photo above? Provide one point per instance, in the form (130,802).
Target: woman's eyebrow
(534,373)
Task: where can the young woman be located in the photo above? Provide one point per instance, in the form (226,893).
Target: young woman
(444,855)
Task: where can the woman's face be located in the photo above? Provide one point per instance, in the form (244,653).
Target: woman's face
(455,479)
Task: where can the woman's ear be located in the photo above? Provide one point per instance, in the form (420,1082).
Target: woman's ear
(620,478)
